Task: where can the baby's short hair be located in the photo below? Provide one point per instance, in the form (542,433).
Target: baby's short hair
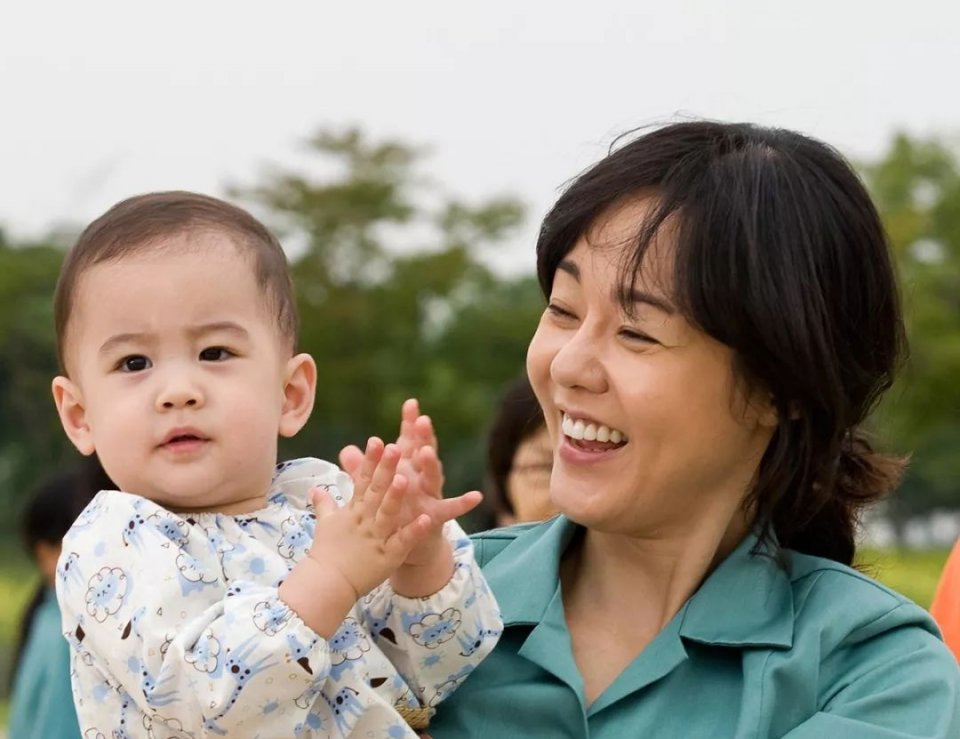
(133,225)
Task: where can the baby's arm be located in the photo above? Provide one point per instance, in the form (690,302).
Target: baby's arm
(436,641)
(355,548)
(158,636)
(437,618)
(429,565)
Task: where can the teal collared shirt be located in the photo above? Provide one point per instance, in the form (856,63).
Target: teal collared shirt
(815,650)
(42,703)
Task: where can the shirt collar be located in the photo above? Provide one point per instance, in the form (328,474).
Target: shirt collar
(524,576)
(746,601)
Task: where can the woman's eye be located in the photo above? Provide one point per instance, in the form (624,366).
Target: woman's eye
(558,312)
(215,354)
(637,336)
(135,363)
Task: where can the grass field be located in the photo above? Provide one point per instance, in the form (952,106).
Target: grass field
(914,574)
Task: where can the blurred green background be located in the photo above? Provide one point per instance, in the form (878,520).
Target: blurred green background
(397,301)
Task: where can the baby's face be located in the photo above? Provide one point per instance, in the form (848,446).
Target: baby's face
(180,373)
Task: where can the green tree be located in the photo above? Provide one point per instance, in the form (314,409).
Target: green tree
(31,440)
(395,300)
(916,186)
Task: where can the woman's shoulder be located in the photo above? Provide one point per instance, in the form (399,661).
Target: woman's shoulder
(844,604)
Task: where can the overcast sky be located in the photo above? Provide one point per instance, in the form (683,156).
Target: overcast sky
(103,99)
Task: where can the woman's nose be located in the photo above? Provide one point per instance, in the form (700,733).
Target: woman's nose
(577,364)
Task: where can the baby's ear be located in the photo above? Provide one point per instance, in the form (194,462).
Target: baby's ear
(73,414)
(299,388)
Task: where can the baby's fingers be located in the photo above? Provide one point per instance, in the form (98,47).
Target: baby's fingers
(363,473)
(449,508)
(323,502)
(351,458)
(407,439)
(387,519)
(382,478)
(399,546)
(431,471)
(425,435)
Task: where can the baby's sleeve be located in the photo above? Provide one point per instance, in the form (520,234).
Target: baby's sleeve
(157,635)
(436,641)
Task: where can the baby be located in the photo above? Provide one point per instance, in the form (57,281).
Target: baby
(219,594)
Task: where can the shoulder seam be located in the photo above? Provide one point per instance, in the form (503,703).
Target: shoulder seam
(859,577)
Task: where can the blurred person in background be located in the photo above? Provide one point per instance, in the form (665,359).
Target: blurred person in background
(519,459)
(41,700)
(946,602)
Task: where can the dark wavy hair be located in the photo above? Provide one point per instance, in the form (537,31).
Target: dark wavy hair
(779,254)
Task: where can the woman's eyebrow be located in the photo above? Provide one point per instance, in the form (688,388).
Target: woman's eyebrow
(623,294)
(570,267)
(633,295)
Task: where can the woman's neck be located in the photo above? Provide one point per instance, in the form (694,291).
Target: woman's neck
(620,591)
(659,573)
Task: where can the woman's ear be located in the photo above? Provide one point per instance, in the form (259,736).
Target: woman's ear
(73,414)
(299,389)
(767,414)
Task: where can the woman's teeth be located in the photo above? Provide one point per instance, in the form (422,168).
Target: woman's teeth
(577,429)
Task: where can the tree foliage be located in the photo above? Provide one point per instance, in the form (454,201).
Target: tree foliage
(917,189)
(31,440)
(396,301)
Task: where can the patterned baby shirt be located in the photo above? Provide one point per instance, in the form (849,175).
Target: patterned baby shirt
(177,630)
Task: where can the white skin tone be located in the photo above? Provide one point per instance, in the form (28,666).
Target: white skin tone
(180,380)
(663,508)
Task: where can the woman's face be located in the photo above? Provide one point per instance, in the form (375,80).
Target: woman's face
(650,428)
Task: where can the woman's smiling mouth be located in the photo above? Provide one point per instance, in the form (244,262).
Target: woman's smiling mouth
(590,436)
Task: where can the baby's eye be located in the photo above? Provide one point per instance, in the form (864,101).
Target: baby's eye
(215,354)
(134,363)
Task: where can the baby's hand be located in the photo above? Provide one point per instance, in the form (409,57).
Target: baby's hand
(371,536)
(429,564)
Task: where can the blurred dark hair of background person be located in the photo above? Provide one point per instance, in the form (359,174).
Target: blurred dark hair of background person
(519,459)
(41,699)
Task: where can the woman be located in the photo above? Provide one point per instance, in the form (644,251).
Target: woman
(722,317)
(519,458)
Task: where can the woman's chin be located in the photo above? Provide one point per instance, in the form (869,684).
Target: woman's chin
(575,502)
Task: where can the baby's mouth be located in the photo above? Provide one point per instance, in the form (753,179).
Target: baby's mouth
(185,438)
